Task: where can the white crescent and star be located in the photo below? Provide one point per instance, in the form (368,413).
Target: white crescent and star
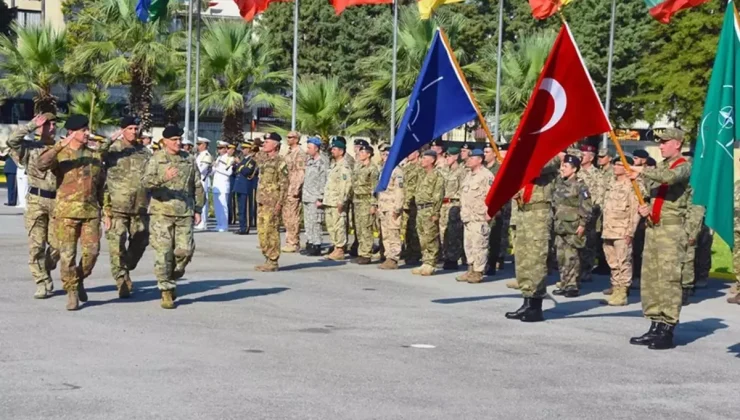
(556,90)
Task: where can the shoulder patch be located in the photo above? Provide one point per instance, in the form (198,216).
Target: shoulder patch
(585,194)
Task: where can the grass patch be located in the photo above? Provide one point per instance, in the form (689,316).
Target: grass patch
(721,260)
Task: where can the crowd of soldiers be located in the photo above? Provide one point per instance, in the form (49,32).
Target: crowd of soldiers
(585,207)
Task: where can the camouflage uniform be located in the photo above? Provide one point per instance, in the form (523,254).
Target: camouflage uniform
(736,248)
(428,196)
(313,191)
(571,201)
(412,172)
(296,162)
(364,181)
(390,207)
(272,191)
(39,213)
(703,257)
(694,221)
(593,179)
(496,227)
(172,206)
(665,241)
(620,220)
(337,191)
(473,213)
(125,202)
(450,223)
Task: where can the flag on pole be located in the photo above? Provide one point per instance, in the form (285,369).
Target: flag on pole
(563,109)
(340,5)
(663,10)
(248,9)
(153,10)
(712,174)
(543,9)
(439,102)
(426,7)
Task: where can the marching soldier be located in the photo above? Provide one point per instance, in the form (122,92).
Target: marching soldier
(412,173)
(428,196)
(665,240)
(364,180)
(173,179)
(244,186)
(475,218)
(39,214)
(351,217)
(204,160)
(296,161)
(125,205)
(590,176)
(317,167)
(336,199)
(271,194)
(390,207)
(450,223)
(80,178)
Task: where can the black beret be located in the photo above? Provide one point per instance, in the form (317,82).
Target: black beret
(573,160)
(367,148)
(641,153)
(502,146)
(651,162)
(127,121)
(76,122)
(171,131)
(438,142)
(273,136)
(465,146)
(431,153)
(618,160)
(361,142)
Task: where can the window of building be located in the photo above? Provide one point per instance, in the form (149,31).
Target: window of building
(28,18)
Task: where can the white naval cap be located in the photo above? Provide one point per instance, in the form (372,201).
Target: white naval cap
(202,140)
(222,143)
(146,134)
(186,141)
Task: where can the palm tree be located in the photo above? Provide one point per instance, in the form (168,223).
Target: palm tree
(521,63)
(32,61)
(235,75)
(84,101)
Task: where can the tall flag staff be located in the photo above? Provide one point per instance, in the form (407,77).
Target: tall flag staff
(188,66)
(394,70)
(610,65)
(295,67)
(496,128)
(196,116)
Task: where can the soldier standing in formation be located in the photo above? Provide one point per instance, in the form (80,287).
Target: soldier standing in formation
(450,222)
(364,180)
(592,177)
(246,172)
(296,161)
(187,146)
(177,197)
(39,214)
(125,205)
(734,294)
(390,207)
(437,146)
(204,160)
(694,220)
(317,166)
(620,224)
(428,196)
(222,169)
(490,161)
(665,240)
(80,178)
(640,157)
(271,195)
(412,172)
(336,199)
(475,218)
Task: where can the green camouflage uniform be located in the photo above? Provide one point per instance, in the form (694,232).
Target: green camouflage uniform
(450,223)
(172,206)
(272,191)
(428,196)
(412,172)
(573,209)
(736,247)
(125,202)
(593,178)
(665,243)
(80,176)
(496,225)
(38,217)
(364,181)
(703,257)
(694,221)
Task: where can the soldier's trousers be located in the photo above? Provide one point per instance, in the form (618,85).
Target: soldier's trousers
(619,257)
(638,246)
(312,218)
(268,231)
(531,243)
(688,275)
(660,290)
(494,240)
(428,234)
(411,236)
(292,221)
(590,252)
(364,222)
(43,252)
(336,225)
(390,228)
(133,228)
(569,261)
(504,250)
(451,229)
(703,257)
(172,240)
(69,233)
(476,244)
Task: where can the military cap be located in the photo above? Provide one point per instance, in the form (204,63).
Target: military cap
(187,141)
(437,142)
(573,160)
(384,147)
(171,131)
(76,122)
(588,148)
(670,133)
(604,151)
(231,146)
(361,142)
(466,146)
(476,152)
(651,162)
(146,134)
(431,153)
(202,140)
(222,143)
(127,121)
(315,141)
(688,154)
(368,149)
(273,136)
(247,143)
(453,150)
(502,146)
(339,143)
(641,153)
(618,161)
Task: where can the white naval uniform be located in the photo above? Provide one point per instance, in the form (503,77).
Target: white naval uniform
(204,162)
(222,169)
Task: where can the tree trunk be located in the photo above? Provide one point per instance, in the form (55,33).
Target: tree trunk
(172,115)
(45,102)
(141,96)
(233,126)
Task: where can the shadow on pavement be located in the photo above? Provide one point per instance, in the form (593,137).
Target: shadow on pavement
(448,301)
(734,349)
(315,264)
(687,333)
(571,309)
(713,290)
(233,295)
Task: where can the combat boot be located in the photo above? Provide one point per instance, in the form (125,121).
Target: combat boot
(73,300)
(81,292)
(167,301)
(734,289)
(49,286)
(663,337)
(41,292)
(289,249)
(491,269)
(307,250)
(608,291)
(534,312)
(519,312)
(362,261)
(336,255)
(125,287)
(559,284)
(427,270)
(268,266)
(475,277)
(315,250)
(735,299)
(646,338)
(571,292)
(619,297)
(513,284)
(450,265)
(389,264)
(465,276)
(416,271)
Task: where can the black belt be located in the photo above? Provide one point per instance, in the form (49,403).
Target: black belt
(424,206)
(42,193)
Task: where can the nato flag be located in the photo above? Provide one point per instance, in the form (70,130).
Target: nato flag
(439,102)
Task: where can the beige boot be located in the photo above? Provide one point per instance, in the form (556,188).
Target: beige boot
(288,249)
(41,292)
(167,301)
(336,255)
(125,287)
(734,299)
(513,284)
(608,291)
(427,270)
(73,300)
(733,289)
(49,287)
(465,276)
(618,296)
(389,264)
(475,277)
(268,266)
(416,271)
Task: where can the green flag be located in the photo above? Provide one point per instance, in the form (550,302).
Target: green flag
(713,175)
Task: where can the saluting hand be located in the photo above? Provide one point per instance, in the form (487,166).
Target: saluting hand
(39,120)
(65,141)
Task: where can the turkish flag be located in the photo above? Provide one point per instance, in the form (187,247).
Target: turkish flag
(543,9)
(340,5)
(563,109)
(251,8)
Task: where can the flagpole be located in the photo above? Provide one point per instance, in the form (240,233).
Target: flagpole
(188,67)
(498,69)
(196,115)
(627,167)
(295,66)
(609,68)
(394,70)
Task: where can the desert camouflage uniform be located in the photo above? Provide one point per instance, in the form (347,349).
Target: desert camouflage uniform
(39,214)
(313,190)
(593,178)
(473,214)
(296,162)
(450,223)
(428,196)
(620,221)
(364,181)
(390,207)
(571,201)
(272,191)
(337,191)
(412,172)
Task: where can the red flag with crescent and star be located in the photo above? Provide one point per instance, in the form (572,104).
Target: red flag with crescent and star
(248,9)
(340,5)
(563,109)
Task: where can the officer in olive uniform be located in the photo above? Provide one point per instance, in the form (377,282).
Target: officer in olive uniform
(364,180)
(271,195)
(428,196)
